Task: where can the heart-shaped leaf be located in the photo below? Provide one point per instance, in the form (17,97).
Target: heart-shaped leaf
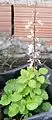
(31,105)
(32,83)
(44,95)
(5,100)
(41,79)
(13,109)
(43,71)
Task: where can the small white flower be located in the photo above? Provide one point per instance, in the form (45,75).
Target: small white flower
(31,62)
(39,21)
(36,54)
(39,61)
(38,44)
(37,13)
(36,39)
(28,25)
(31,31)
(30,49)
(29,36)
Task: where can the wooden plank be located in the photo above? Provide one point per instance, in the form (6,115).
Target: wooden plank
(43,10)
(7,29)
(43,35)
(5,18)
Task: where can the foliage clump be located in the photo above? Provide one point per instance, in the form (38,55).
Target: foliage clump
(26,93)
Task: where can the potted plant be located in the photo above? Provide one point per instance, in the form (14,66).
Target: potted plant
(26,95)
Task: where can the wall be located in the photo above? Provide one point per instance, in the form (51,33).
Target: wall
(24,14)
(5,18)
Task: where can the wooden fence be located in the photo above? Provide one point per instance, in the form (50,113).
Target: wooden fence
(16,18)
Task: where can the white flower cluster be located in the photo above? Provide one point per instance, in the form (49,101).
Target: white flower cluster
(33,54)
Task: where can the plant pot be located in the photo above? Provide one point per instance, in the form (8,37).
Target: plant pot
(42,116)
(15,73)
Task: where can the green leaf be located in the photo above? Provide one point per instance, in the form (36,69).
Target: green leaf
(46,106)
(22,108)
(24,73)
(32,83)
(31,105)
(11,81)
(44,95)
(20,87)
(43,71)
(38,99)
(36,72)
(32,94)
(13,109)
(38,84)
(28,98)
(11,86)
(6,110)
(25,91)
(5,100)
(25,112)
(31,73)
(41,79)
(7,90)
(22,79)
(23,101)
(37,91)
(16,97)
